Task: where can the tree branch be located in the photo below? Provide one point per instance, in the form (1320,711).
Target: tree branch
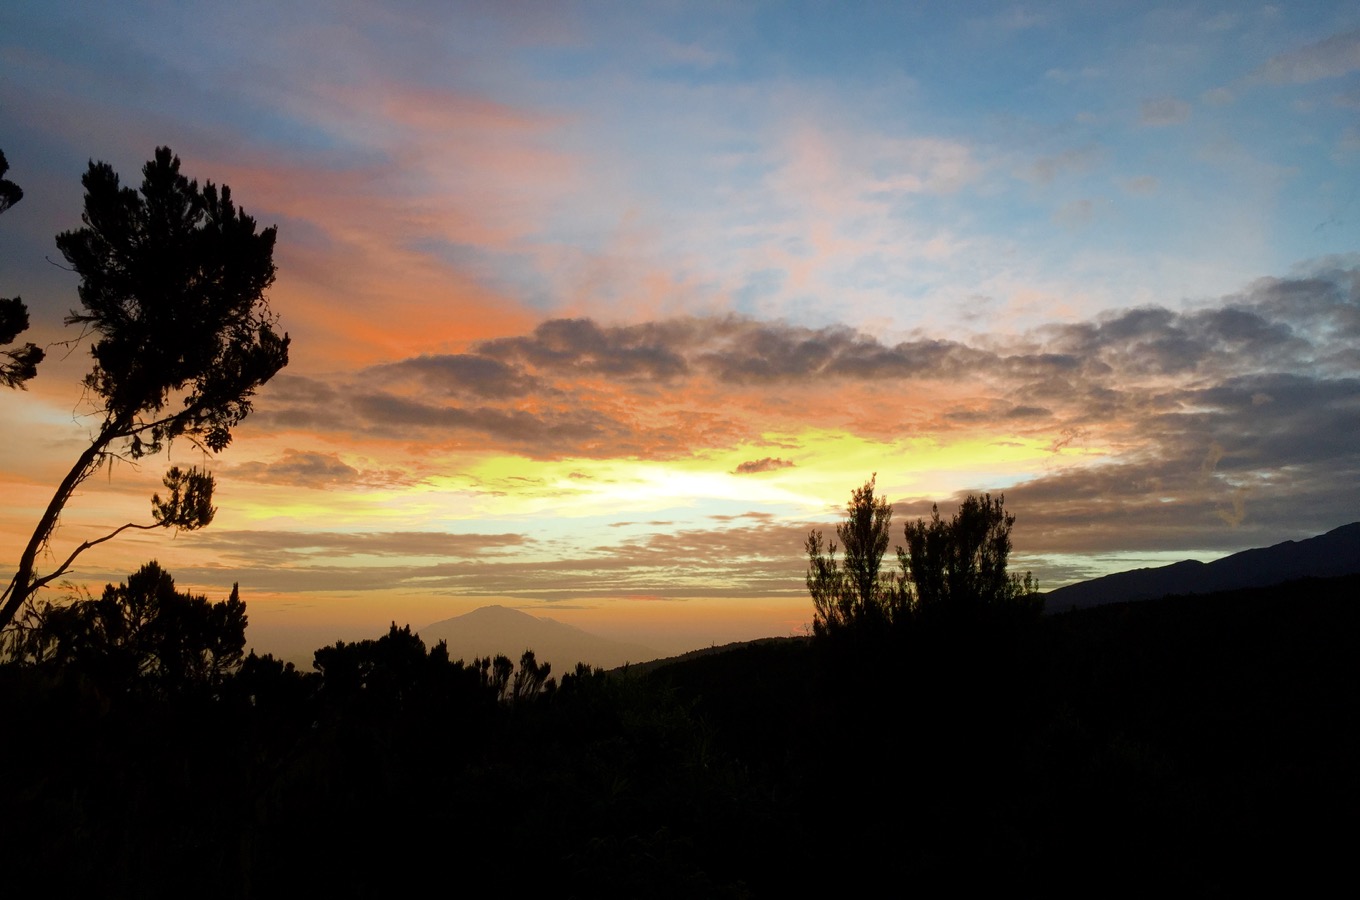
(23,584)
(86,545)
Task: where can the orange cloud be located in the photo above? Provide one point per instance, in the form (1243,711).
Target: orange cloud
(346,262)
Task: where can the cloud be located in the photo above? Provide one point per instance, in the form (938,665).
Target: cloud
(458,374)
(693,54)
(1014,19)
(1162,111)
(299,468)
(1219,96)
(582,346)
(843,175)
(1077,160)
(580,428)
(1224,21)
(1349,142)
(1130,402)
(1330,58)
(1067,76)
(763,558)
(1075,213)
(766,464)
(1211,426)
(750,352)
(287,548)
(1143,185)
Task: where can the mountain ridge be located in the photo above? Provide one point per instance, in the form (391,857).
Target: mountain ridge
(1333,553)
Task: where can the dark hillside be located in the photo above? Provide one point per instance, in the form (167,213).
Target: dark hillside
(1206,741)
(1202,744)
(1329,555)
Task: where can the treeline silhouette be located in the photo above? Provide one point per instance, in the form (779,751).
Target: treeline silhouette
(136,772)
(1204,744)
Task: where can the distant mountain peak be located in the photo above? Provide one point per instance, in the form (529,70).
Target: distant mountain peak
(508,616)
(497,629)
(496,611)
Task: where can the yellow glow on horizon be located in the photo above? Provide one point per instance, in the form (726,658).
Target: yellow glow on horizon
(809,472)
(824,464)
(831,463)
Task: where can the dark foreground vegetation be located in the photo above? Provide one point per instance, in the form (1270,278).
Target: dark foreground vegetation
(1203,744)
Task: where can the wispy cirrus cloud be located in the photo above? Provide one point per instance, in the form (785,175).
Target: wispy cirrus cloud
(1331,57)
(288,547)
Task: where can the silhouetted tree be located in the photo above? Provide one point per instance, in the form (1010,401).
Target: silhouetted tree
(172,285)
(530,678)
(950,565)
(10,193)
(395,676)
(271,684)
(855,591)
(141,633)
(390,668)
(501,670)
(583,674)
(21,363)
(961,563)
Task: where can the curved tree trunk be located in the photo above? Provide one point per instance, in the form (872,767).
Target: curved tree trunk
(24,582)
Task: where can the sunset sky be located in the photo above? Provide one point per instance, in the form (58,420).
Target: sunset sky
(597,308)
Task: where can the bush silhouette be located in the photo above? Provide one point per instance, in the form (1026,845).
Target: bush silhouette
(954,567)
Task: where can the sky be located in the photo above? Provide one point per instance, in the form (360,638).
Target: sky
(597,309)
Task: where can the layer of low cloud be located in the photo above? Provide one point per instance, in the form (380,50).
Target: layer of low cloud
(750,557)
(1270,375)
(286,548)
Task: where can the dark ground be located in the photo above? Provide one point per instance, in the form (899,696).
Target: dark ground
(1203,744)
